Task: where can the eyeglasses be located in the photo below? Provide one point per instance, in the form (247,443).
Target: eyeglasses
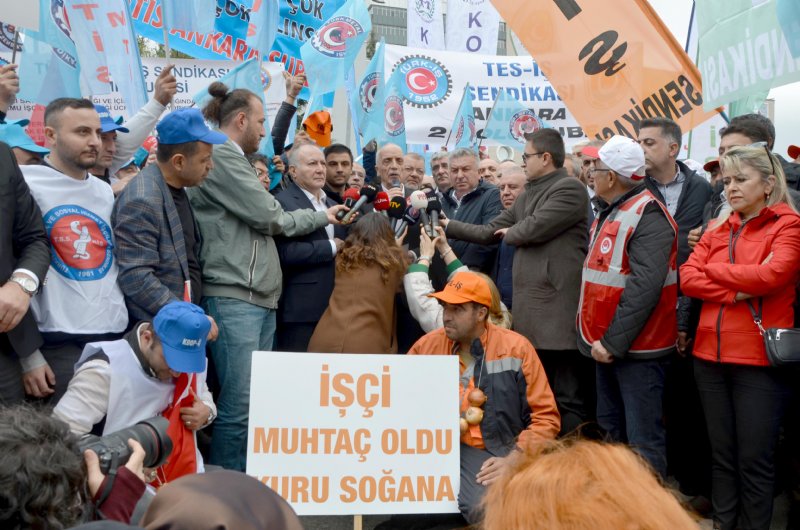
(526,156)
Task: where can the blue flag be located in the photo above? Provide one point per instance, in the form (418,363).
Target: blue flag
(330,53)
(49,66)
(509,121)
(246,75)
(198,15)
(463,130)
(393,111)
(370,93)
(264,26)
(320,102)
(789,18)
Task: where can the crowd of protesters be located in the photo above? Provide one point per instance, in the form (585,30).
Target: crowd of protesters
(613,293)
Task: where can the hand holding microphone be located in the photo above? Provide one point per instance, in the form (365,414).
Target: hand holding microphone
(350,197)
(368,194)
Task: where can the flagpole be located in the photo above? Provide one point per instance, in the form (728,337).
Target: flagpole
(14,49)
(167,51)
(480,140)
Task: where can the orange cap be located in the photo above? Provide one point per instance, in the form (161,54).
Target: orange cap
(465,287)
(318,126)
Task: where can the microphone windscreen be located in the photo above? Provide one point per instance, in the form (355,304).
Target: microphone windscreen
(351,193)
(397,207)
(369,191)
(434,205)
(411,216)
(419,200)
(381,203)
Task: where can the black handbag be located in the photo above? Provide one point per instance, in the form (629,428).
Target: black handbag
(782,344)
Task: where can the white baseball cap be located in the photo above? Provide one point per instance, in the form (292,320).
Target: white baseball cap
(622,155)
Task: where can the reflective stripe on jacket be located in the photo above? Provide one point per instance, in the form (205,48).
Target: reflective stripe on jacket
(605,275)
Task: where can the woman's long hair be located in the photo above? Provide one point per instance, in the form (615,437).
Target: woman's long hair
(499,315)
(371,242)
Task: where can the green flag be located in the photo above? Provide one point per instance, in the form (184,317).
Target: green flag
(743,50)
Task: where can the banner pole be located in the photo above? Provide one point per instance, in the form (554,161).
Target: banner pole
(14,48)
(167,51)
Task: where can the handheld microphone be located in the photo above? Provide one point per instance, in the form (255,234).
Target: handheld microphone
(410,218)
(368,193)
(382,202)
(350,197)
(434,207)
(397,207)
(420,201)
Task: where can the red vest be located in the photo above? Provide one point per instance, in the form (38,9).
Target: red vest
(606,271)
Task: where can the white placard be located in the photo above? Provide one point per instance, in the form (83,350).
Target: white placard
(345,434)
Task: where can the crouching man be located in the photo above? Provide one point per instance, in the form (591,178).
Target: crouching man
(505,399)
(158,367)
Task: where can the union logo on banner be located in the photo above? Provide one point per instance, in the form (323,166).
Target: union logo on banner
(59,14)
(80,240)
(367,90)
(425,9)
(427,81)
(393,113)
(331,38)
(522,123)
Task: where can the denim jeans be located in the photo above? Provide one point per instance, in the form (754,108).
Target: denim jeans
(630,398)
(744,406)
(243,328)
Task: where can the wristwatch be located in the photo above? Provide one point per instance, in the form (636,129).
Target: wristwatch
(27,284)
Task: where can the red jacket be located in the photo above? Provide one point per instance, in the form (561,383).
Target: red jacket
(726,332)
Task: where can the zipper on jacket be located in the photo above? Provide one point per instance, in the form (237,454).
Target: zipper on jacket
(252,269)
(734,239)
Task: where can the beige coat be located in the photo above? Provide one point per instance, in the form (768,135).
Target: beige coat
(361,315)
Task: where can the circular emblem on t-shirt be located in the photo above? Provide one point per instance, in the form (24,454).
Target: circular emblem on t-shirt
(605,245)
(80,241)
(331,39)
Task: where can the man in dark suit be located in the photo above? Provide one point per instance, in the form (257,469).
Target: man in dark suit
(24,260)
(308,262)
(157,241)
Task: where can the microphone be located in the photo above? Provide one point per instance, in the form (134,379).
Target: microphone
(434,207)
(420,201)
(350,197)
(368,193)
(409,218)
(397,207)
(382,202)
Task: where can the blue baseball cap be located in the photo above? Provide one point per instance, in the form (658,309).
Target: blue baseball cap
(187,125)
(107,123)
(183,329)
(15,136)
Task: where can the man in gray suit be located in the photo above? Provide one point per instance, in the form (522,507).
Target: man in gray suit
(157,241)
(242,277)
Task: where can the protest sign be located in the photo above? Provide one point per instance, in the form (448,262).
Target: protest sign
(425,26)
(472,26)
(743,50)
(192,75)
(434,84)
(614,62)
(343,434)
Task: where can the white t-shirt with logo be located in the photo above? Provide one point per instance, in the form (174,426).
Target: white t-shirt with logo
(81,295)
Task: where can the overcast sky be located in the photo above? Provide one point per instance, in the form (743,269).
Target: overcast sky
(676,13)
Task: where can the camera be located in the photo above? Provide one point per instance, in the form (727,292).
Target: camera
(113,450)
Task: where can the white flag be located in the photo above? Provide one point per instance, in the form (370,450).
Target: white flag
(472,26)
(425,26)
